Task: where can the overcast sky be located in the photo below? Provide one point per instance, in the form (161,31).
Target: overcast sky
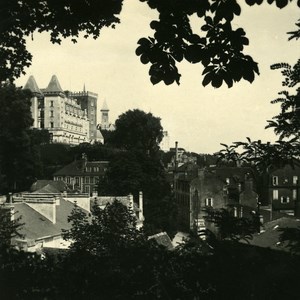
(198,118)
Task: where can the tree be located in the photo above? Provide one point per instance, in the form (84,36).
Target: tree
(138,131)
(219,47)
(286,125)
(107,230)
(15,121)
(130,172)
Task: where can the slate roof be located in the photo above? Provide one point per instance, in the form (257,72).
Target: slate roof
(162,239)
(48,186)
(237,173)
(269,237)
(32,85)
(104,106)
(76,168)
(54,86)
(37,226)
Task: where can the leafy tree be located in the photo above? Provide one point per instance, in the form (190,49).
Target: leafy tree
(138,131)
(130,172)
(107,230)
(15,121)
(218,46)
(286,125)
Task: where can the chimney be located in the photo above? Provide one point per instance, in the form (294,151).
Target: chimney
(130,199)
(141,213)
(176,155)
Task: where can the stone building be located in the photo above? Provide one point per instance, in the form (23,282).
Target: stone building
(280,188)
(69,117)
(82,175)
(212,187)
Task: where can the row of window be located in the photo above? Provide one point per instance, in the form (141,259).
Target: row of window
(275,180)
(75,180)
(185,201)
(284,199)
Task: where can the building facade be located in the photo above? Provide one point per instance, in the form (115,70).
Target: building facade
(82,175)
(70,118)
(281,188)
(216,188)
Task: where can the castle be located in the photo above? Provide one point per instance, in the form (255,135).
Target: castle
(70,117)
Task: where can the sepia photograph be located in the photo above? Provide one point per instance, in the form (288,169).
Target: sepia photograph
(149,149)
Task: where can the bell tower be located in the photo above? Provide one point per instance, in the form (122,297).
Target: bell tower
(104,116)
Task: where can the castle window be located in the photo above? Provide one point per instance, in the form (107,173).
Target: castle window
(295,179)
(209,202)
(285,199)
(51,103)
(275,180)
(51,125)
(51,113)
(275,194)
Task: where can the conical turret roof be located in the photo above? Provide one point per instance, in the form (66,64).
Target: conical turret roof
(32,85)
(54,86)
(104,106)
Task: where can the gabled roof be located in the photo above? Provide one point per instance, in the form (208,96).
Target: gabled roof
(32,85)
(78,168)
(54,86)
(37,226)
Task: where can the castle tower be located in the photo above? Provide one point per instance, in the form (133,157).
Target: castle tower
(54,108)
(37,94)
(104,116)
(88,101)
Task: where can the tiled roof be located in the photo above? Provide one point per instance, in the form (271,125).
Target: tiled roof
(269,237)
(163,239)
(32,85)
(37,226)
(77,168)
(49,185)
(54,86)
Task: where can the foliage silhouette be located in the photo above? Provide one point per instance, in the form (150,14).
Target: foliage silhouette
(219,47)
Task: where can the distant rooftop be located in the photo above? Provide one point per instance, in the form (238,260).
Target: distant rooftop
(54,86)
(32,85)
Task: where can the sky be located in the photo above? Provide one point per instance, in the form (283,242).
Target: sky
(198,118)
